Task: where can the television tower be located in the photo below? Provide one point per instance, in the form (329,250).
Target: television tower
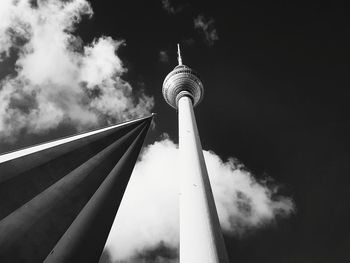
(201,238)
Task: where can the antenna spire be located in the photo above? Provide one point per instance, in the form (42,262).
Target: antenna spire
(179,59)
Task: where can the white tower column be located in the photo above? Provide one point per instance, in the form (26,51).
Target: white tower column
(200,233)
(201,240)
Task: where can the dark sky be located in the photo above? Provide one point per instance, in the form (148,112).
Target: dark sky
(276,97)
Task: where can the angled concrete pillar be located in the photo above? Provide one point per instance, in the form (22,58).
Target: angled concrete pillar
(85,239)
(44,188)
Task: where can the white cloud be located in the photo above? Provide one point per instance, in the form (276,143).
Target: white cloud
(207,28)
(99,63)
(59,79)
(243,202)
(148,214)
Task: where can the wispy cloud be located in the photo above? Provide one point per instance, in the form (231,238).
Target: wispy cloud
(59,79)
(169,7)
(147,218)
(207,28)
(163,56)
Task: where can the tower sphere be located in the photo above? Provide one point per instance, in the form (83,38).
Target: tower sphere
(182,81)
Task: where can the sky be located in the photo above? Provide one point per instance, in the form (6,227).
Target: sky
(273,123)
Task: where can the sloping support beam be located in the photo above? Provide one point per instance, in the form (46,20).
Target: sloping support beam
(14,163)
(29,233)
(85,239)
(27,172)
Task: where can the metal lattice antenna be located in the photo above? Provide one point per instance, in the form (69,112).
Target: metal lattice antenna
(179,58)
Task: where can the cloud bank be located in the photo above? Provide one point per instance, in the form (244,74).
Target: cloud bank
(207,28)
(57,79)
(148,215)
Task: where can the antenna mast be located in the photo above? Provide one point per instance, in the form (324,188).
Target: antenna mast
(179,59)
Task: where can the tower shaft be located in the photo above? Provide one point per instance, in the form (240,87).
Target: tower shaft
(201,238)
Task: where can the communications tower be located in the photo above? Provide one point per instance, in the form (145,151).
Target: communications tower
(201,238)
